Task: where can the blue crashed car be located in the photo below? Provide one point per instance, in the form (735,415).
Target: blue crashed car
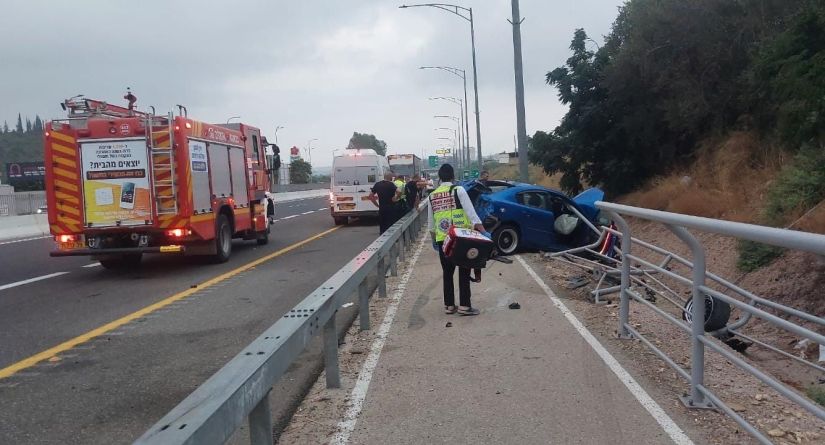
(531,217)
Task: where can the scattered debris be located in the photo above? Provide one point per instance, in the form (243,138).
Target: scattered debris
(356,352)
(760,397)
(514,305)
(776,433)
(577,282)
(738,407)
(193,286)
(449,324)
(347,304)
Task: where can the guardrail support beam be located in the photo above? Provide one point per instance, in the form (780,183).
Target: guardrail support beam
(364,306)
(402,248)
(333,374)
(382,278)
(260,423)
(696,399)
(624,298)
(394,260)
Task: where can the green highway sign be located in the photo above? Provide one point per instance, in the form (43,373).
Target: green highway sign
(466,174)
(433,161)
(475,173)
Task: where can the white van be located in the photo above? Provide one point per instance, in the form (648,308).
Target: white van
(354,172)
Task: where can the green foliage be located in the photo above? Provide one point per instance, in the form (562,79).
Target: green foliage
(367,141)
(816,393)
(673,72)
(300,172)
(753,255)
(19,147)
(788,80)
(799,186)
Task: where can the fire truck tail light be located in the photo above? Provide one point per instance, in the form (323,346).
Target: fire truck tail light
(66,238)
(178,233)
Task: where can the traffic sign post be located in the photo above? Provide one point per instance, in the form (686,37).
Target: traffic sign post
(433,161)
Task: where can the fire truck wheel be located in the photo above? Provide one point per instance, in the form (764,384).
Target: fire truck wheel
(121,261)
(506,238)
(223,239)
(263,237)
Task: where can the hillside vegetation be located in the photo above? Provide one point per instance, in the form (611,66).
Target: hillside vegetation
(23,143)
(711,107)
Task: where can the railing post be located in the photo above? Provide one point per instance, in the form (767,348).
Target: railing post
(260,423)
(364,305)
(394,260)
(382,278)
(402,247)
(624,298)
(331,354)
(697,329)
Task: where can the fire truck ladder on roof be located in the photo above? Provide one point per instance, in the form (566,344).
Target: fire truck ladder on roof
(161,146)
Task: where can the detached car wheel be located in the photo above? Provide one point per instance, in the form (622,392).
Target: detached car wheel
(506,239)
(717,313)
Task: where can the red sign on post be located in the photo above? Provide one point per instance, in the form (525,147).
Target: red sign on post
(294,151)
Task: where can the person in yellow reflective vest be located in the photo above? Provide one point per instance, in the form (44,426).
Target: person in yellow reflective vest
(450,205)
(401,204)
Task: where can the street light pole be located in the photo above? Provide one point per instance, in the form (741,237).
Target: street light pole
(454,9)
(309,149)
(463,75)
(276,133)
(464,159)
(521,126)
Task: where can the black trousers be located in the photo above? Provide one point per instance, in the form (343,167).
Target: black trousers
(386,218)
(448,269)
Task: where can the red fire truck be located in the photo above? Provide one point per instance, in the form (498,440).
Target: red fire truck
(121,183)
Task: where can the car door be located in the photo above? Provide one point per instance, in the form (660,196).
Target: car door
(536,218)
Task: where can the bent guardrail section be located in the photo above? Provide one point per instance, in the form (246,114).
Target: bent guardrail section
(239,390)
(700,395)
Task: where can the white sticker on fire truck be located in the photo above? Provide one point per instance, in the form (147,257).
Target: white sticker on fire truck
(116,182)
(197,154)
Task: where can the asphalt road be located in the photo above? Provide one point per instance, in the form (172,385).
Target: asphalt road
(112,387)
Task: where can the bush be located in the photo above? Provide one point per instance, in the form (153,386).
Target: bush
(799,187)
(753,255)
(817,394)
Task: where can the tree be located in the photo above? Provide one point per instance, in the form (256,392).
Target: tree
(300,172)
(5,127)
(19,127)
(367,141)
(28,125)
(38,124)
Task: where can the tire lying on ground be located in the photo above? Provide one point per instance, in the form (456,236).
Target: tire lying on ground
(717,313)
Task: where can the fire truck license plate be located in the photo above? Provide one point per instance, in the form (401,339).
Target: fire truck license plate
(347,206)
(72,245)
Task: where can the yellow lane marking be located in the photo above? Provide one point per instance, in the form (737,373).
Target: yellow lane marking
(83,338)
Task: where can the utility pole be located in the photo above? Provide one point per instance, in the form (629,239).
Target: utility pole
(521,125)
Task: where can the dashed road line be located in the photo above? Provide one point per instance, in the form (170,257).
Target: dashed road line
(23,240)
(92,265)
(32,280)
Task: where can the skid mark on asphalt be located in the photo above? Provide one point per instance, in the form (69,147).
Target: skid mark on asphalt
(101,333)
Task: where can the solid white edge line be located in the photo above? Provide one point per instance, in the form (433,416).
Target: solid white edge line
(359,392)
(92,265)
(31,280)
(288,217)
(668,425)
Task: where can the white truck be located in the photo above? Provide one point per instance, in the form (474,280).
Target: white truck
(405,165)
(354,172)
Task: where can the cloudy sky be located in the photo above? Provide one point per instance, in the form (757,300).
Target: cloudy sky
(321,69)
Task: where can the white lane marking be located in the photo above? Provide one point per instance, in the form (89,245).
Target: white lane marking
(23,240)
(307,213)
(676,434)
(359,392)
(92,265)
(322,209)
(31,280)
(288,217)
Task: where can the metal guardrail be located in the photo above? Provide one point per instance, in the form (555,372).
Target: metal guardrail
(700,395)
(240,390)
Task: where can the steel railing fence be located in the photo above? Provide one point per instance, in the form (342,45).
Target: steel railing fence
(239,390)
(22,203)
(636,273)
